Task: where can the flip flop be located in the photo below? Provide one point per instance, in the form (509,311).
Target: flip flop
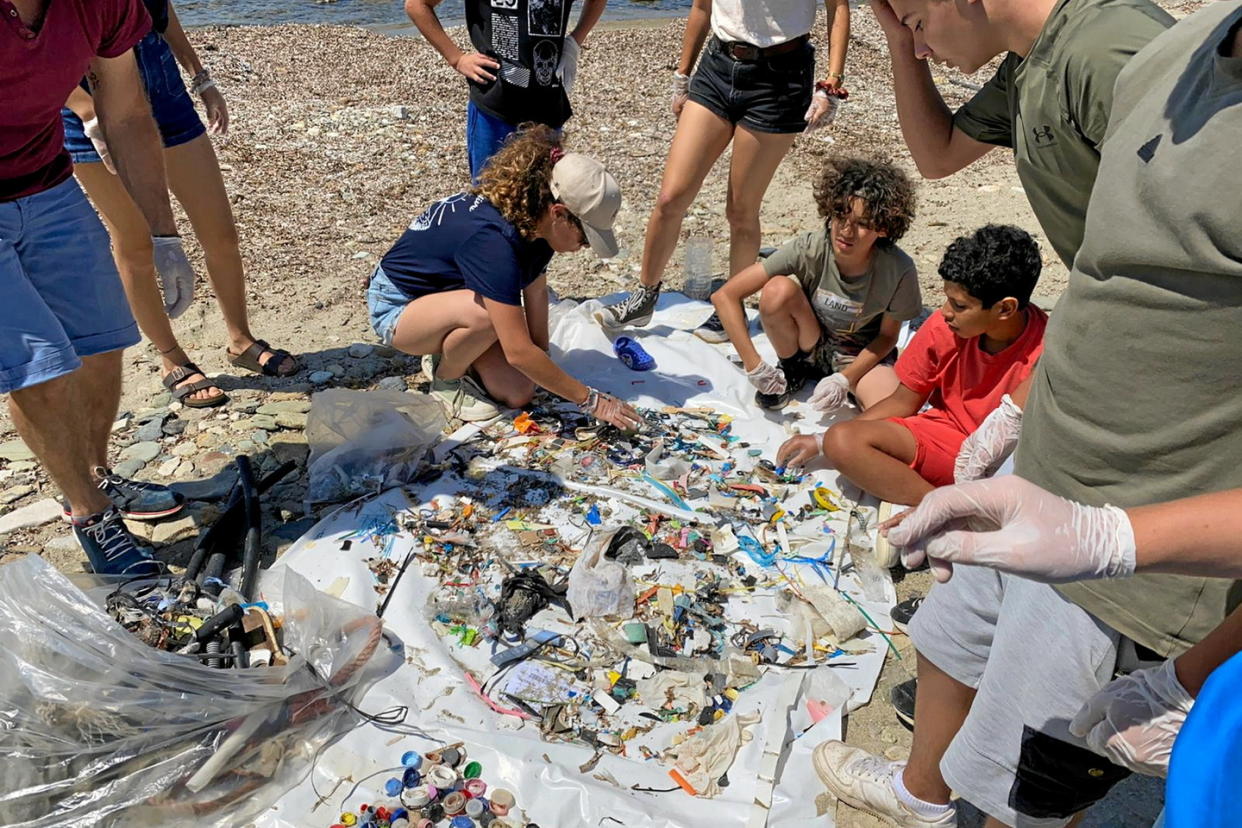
(181,393)
(249,359)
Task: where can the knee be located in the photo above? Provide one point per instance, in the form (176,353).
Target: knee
(840,442)
(741,217)
(220,240)
(778,295)
(673,202)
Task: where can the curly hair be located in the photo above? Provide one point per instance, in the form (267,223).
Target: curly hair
(995,261)
(885,191)
(516,180)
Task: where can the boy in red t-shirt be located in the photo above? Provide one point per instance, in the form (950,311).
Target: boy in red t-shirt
(983,343)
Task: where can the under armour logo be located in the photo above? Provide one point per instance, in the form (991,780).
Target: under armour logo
(1043,136)
(1148,150)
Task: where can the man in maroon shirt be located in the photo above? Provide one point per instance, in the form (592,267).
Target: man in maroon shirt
(64,320)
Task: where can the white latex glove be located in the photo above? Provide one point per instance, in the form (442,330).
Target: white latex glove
(95,132)
(821,112)
(799,450)
(767,379)
(983,452)
(611,410)
(567,69)
(831,394)
(1135,719)
(176,275)
(1012,525)
(681,92)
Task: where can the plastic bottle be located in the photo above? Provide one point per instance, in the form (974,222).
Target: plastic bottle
(698,268)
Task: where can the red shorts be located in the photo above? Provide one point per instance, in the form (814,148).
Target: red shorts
(938,444)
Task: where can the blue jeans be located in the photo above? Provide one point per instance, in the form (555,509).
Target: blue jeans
(171,106)
(63,299)
(484,136)
(385,304)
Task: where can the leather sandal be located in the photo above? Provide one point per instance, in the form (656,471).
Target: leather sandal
(249,359)
(175,382)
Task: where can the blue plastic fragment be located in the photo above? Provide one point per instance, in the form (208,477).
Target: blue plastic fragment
(592,515)
(632,354)
(501,514)
(393,787)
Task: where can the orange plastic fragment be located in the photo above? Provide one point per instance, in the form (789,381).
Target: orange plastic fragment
(524,424)
(681,780)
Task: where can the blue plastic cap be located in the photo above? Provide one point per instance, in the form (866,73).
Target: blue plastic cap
(462,822)
(411,777)
(412,759)
(393,787)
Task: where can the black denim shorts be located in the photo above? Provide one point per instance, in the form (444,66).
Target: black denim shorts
(765,95)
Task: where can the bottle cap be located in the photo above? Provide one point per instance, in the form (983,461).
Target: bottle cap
(417,797)
(393,787)
(442,776)
(454,803)
(473,770)
(501,801)
(474,808)
(411,759)
(475,787)
(461,822)
(451,757)
(411,777)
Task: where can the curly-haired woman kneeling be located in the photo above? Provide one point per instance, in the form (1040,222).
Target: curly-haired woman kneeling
(465,284)
(848,290)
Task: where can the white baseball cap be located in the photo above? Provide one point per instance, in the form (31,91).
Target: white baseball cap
(591,193)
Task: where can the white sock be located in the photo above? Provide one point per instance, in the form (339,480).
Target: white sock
(927,810)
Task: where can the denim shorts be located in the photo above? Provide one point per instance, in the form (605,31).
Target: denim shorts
(63,299)
(765,95)
(171,106)
(385,301)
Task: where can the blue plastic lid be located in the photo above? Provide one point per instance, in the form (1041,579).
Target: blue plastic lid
(462,822)
(412,759)
(393,787)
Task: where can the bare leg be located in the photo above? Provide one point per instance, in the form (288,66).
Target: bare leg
(940,708)
(131,248)
(454,324)
(876,456)
(194,178)
(875,385)
(700,138)
(756,155)
(67,443)
(788,318)
(504,383)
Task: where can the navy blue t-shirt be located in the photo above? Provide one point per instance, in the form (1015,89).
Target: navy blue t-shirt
(464,242)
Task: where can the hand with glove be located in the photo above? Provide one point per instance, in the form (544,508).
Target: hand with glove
(1134,720)
(767,379)
(681,92)
(176,275)
(824,103)
(567,69)
(1012,525)
(797,451)
(609,409)
(94,131)
(831,394)
(983,452)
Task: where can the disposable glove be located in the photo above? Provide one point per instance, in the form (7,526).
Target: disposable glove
(567,70)
(983,452)
(1135,719)
(609,409)
(822,111)
(831,394)
(1012,525)
(767,379)
(176,275)
(95,132)
(797,451)
(681,92)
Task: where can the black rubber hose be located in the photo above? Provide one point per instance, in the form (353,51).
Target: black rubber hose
(230,522)
(254,527)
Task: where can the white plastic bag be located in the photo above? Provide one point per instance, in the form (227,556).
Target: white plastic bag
(362,442)
(97,728)
(598,586)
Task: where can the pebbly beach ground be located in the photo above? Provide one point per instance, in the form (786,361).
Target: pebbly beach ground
(340,136)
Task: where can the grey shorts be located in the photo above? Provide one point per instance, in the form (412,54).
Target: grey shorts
(1035,659)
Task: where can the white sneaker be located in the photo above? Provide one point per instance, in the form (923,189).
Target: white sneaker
(864,781)
(462,399)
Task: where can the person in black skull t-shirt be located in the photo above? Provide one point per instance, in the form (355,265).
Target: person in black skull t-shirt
(522,70)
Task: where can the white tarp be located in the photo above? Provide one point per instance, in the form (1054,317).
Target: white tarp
(545,776)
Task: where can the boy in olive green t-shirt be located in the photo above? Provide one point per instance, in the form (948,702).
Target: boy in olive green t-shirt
(848,290)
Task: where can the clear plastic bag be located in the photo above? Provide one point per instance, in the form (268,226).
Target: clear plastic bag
(97,728)
(598,586)
(362,442)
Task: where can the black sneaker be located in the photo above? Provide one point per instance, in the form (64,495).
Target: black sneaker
(135,499)
(111,549)
(634,310)
(902,699)
(903,612)
(712,330)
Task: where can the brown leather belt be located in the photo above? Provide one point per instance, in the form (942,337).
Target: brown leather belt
(746,51)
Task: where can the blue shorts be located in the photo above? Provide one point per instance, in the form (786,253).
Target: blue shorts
(63,299)
(174,112)
(386,302)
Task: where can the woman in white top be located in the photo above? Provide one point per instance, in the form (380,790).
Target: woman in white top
(755,86)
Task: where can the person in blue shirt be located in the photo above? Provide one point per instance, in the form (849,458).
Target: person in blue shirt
(465,285)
